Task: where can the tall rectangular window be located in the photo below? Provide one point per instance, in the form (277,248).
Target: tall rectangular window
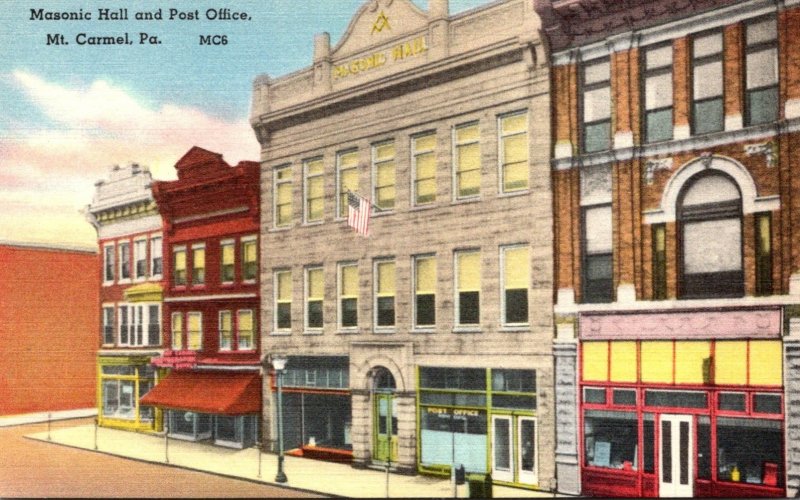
(227,251)
(282,196)
(763,254)
(384,293)
(225,330)
(124,325)
(383,175)
(423,167)
(596,106)
(156,256)
(177,331)
(348,295)
(154,325)
(657,63)
(249,258)
(140,258)
(108,263)
(346,179)
(761,71)
(108,325)
(194,331)
(467,160)
(513,152)
(124,261)
(245,330)
(425,291)
(137,320)
(468,287)
(597,254)
(314,189)
(315,292)
(179,266)
(516,281)
(283,300)
(659,262)
(708,79)
(198,264)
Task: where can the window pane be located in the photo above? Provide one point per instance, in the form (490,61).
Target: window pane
(349,312)
(285,315)
(723,252)
(385,311)
(516,268)
(659,125)
(514,123)
(245,329)
(707,80)
(315,284)
(598,72)
(386,273)
(425,142)
(762,31)
(708,116)
(610,439)
(762,68)
(659,58)
(676,399)
(710,189)
(467,134)
(762,105)
(349,280)
(767,403)
(426,310)
(469,271)
(515,176)
(425,275)
(468,308)
(315,314)
(597,137)
(515,149)
(598,267)
(658,91)
(225,330)
(707,45)
(624,397)
(597,228)
(594,395)
(597,104)
(516,302)
(703,448)
(732,401)
(750,451)
(284,285)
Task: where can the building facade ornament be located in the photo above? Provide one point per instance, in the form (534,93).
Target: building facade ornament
(653,165)
(768,149)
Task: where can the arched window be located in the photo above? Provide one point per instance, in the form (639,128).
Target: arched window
(710,218)
(383,380)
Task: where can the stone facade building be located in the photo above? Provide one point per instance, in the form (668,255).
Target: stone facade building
(677,268)
(427,343)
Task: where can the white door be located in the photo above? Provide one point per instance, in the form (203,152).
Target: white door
(527,452)
(676,456)
(502,456)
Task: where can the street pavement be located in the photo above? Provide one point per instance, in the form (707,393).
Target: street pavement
(304,475)
(35,468)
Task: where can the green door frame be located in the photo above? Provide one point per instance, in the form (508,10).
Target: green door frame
(384,432)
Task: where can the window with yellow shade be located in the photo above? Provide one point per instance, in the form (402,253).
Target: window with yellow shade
(348,295)
(346,179)
(514,152)
(194,331)
(468,286)
(225,330)
(198,264)
(245,330)
(249,258)
(424,168)
(424,291)
(282,196)
(516,281)
(227,253)
(383,175)
(177,331)
(314,190)
(385,293)
(467,161)
(179,266)
(283,300)
(314,297)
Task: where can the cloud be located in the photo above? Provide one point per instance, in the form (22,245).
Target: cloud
(48,171)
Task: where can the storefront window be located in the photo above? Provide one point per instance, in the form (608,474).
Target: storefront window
(448,433)
(767,403)
(468,379)
(648,443)
(611,439)
(703,447)
(594,395)
(731,401)
(750,451)
(317,420)
(676,399)
(189,424)
(238,431)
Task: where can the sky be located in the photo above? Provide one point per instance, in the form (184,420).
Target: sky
(68,112)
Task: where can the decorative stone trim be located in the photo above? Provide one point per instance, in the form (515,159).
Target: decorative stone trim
(654,165)
(768,149)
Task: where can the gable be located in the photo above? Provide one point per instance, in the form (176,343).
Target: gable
(378,22)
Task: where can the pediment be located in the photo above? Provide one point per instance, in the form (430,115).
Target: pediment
(379,21)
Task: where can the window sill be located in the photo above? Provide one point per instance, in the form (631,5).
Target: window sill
(420,208)
(463,201)
(312,332)
(279,229)
(249,282)
(382,213)
(512,194)
(156,277)
(467,329)
(108,283)
(424,331)
(521,328)
(384,330)
(347,330)
(126,281)
(313,223)
(280,333)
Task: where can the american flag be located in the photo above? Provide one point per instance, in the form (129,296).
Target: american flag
(358,212)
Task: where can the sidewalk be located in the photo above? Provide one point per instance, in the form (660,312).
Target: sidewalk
(35,418)
(305,474)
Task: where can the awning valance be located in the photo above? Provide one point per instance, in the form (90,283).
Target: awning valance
(225,393)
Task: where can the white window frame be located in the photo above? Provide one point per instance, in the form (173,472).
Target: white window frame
(219,330)
(120,246)
(136,258)
(339,191)
(173,277)
(457,287)
(415,259)
(132,312)
(275,187)
(375,291)
(306,289)
(187,347)
(416,153)
(173,345)
(148,305)
(112,246)
(238,337)
(501,167)
(195,248)
(375,164)
(455,169)
(276,297)
(503,318)
(156,242)
(339,297)
(110,306)
(306,181)
(222,244)
(251,238)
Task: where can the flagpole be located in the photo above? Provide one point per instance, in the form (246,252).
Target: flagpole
(374,206)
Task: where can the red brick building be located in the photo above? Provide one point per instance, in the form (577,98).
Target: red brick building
(47,355)
(677,203)
(211,301)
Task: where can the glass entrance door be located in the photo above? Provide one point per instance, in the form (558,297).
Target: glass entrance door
(502,456)
(676,456)
(526,450)
(514,451)
(385,418)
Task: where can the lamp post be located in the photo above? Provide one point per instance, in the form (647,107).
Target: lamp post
(279,364)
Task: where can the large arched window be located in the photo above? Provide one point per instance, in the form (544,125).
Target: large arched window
(710,218)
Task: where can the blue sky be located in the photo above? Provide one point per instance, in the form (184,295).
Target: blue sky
(69,112)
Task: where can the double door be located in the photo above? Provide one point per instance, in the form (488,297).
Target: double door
(514,449)
(385,427)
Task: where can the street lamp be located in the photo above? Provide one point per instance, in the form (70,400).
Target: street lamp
(279,364)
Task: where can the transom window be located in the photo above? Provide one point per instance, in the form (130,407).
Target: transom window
(708,80)
(710,216)
(596,109)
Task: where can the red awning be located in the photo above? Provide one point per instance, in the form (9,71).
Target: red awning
(225,393)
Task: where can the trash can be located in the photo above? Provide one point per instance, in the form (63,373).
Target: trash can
(480,485)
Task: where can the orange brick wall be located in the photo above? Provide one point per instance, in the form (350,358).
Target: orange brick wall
(49,324)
